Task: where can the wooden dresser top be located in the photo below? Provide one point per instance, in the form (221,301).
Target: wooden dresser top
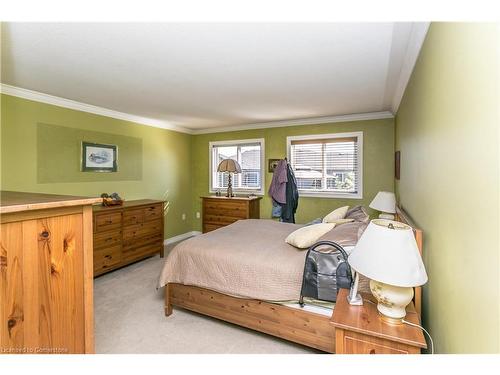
(16,201)
(127,204)
(239,198)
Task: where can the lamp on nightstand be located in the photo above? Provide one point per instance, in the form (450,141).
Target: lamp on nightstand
(387,253)
(230,166)
(385,202)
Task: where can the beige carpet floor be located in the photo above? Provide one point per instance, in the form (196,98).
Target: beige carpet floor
(129,318)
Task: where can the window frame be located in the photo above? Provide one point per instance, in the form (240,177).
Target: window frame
(328,194)
(237,142)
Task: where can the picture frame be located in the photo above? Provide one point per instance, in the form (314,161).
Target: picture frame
(272,163)
(98,157)
(397,164)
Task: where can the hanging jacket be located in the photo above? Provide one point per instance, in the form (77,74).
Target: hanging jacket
(277,189)
(292,198)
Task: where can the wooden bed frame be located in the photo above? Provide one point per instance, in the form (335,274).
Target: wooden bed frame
(292,324)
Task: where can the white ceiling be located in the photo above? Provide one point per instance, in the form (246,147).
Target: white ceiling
(207,76)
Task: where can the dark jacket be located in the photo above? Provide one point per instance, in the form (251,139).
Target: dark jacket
(292,198)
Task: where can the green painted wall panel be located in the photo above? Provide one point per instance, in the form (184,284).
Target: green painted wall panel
(165,155)
(378,168)
(59,155)
(447,129)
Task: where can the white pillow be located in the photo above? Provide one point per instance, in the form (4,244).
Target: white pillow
(339,213)
(307,236)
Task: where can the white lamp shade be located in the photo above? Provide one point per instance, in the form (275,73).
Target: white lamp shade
(229,165)
(384,201)
(390,256)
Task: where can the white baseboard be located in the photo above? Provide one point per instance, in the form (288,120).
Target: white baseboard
(180,237)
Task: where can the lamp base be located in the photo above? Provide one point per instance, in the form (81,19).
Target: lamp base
(386,216)
(392,300)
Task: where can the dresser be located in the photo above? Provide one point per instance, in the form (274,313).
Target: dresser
(46,283)
(360,329)
(128,233)
(221,211)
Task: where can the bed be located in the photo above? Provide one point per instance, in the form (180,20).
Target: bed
(247,275)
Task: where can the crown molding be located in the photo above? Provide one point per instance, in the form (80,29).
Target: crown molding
(415,42)
(299,122)
(72,104)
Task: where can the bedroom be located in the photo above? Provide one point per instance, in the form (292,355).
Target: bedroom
(395,104)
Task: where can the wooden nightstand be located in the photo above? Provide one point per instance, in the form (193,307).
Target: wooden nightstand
(359,329)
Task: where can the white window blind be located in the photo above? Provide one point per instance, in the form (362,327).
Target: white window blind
(248,154)
(327,164)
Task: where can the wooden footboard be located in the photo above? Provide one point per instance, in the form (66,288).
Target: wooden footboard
(303,327)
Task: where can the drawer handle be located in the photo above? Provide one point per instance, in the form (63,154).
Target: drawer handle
(108,256)
(372,351)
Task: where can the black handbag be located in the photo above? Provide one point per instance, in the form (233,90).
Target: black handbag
(325,272)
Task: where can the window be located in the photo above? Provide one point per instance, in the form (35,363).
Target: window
(249,153)
(328,165)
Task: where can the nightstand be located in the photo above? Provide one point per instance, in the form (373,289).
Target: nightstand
(359,329)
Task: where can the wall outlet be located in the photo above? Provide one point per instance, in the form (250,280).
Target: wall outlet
(197,215)
(183,216)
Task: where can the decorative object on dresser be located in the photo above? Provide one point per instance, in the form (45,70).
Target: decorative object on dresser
(46,285)
(221,211)
(127,233)
(388,255)
(112,199)
(385,202)
(358,330)
(229,166)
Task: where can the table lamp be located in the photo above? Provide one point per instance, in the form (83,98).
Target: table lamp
(384,201)
(230,166)
(388,255)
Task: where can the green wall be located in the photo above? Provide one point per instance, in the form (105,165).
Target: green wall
(447,131)
(29,127)
(378,168)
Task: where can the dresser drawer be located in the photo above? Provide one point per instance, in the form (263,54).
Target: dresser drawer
(133,216)
(108,221)
(355,345)
(133,232)
(106,258)
(223,220)
(139,242)
(233,211)
(141,252)
(107,239)
(153,212)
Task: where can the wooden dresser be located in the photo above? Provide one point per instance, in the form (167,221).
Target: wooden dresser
(125,234)
(360,329)
(46,284)
(221,211)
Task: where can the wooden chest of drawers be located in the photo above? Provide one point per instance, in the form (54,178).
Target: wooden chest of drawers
(221,211)
(46,286)
(125,234)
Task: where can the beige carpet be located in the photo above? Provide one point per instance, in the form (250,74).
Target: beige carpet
(129,318)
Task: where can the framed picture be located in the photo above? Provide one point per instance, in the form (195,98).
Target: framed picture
(97,157)
(397,164)
(272,164)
